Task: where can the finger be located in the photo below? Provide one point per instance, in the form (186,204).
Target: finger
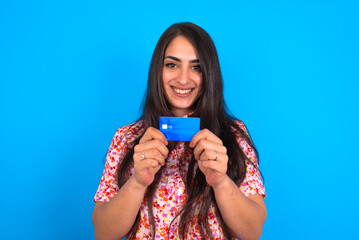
(153,133)
(153,144)
(152,154)
(149,165)
(205,134)
(212,155)
(154,170)
(146,163)
(208,145)
(213,165)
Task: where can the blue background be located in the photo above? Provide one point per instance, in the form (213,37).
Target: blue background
(72,72)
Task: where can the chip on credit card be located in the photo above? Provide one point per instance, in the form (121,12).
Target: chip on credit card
(179,128)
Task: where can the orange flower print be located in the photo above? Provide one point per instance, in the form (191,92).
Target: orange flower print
(169,198)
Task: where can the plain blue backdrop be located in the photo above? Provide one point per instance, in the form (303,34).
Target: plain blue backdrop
(72,72)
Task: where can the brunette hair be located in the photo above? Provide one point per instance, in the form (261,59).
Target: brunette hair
(214,115)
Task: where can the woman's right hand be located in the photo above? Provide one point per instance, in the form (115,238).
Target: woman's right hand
(149,156)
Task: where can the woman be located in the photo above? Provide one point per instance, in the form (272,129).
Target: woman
(209,188)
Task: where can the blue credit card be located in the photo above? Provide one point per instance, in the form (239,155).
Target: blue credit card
(179,128)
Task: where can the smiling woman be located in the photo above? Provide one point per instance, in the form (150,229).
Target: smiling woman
(182,77)
(208,188)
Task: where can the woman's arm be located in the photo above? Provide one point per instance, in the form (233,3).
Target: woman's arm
(245,216)
(114,219)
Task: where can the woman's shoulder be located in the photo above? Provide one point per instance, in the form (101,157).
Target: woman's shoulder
(129,131)
(238,124)
(130,128)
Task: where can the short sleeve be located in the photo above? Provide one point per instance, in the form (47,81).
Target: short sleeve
(252,182)
(108,185)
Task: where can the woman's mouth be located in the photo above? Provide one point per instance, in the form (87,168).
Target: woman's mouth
(182,91)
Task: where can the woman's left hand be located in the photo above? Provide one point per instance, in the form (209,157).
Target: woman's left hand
(211,156)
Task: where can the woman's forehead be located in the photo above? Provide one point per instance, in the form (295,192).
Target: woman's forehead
(182,48)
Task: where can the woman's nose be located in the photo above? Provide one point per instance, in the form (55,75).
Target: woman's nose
(184,77)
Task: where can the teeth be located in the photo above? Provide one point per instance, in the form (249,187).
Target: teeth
(180,91)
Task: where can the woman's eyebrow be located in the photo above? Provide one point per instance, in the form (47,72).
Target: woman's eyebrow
(179,60)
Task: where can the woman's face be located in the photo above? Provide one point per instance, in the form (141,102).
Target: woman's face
(181,76)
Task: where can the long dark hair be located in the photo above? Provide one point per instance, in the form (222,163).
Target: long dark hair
(214,115)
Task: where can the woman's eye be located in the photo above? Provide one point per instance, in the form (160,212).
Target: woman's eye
(170,65)
(197,68)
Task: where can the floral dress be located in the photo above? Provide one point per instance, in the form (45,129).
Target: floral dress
(169,196)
